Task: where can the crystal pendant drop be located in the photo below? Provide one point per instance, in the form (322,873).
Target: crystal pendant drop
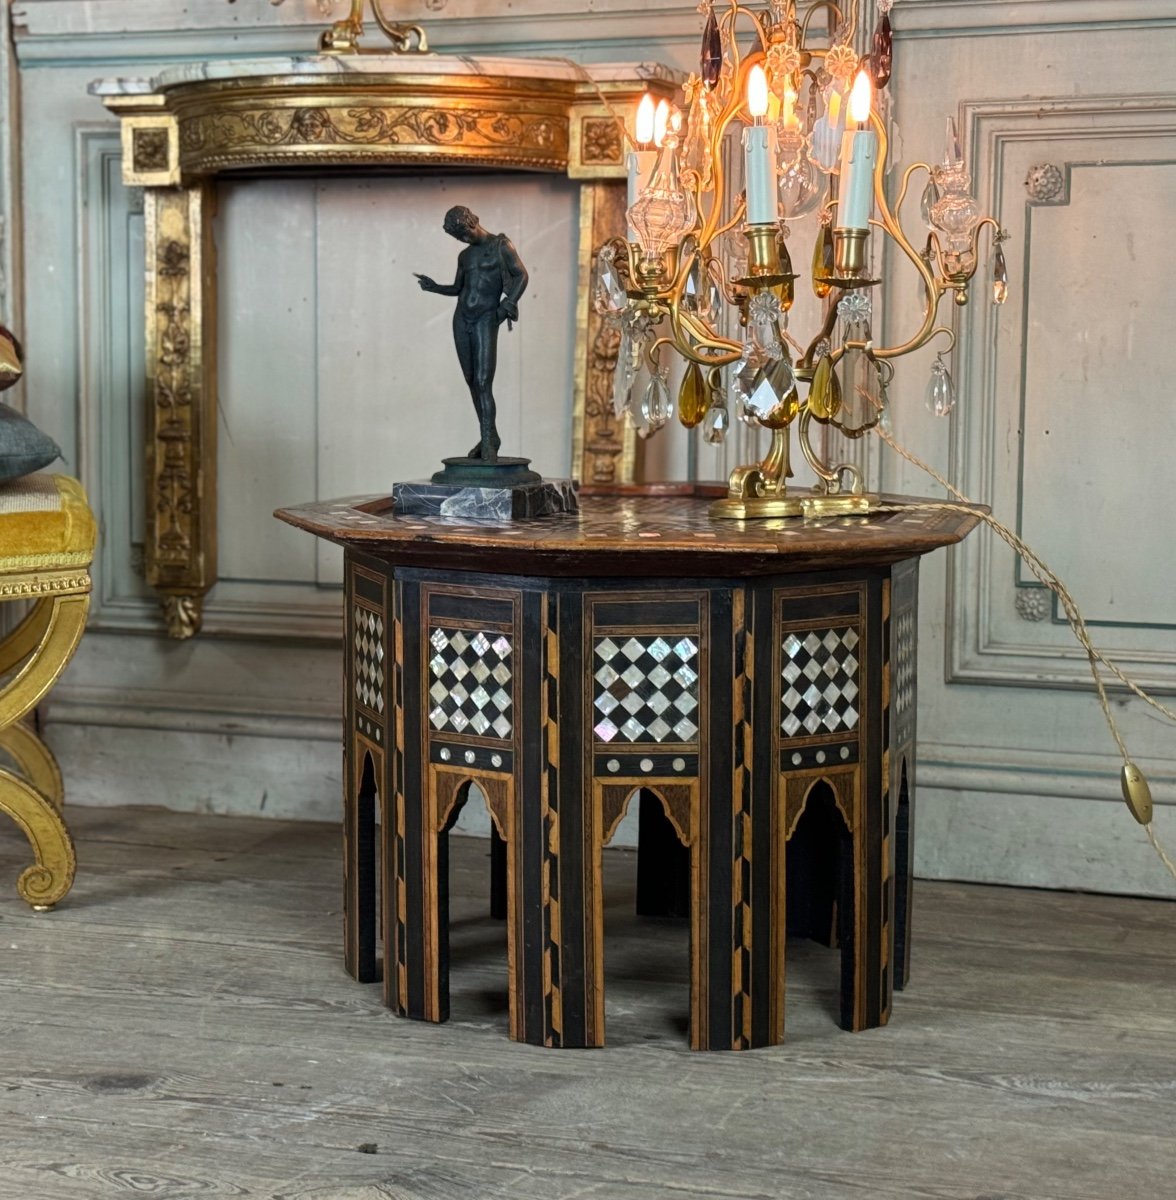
(710,61)
(714,428)
(940,390)
(861,392)
(882,56)
(764,314)
(639,417)
(773,401)
(701,294)
(929,201)
(657,402)
(1000,276)
(608,295)
(823,262)
(744,375)
(824,398)
(635,335)
(624,374)
(693,396)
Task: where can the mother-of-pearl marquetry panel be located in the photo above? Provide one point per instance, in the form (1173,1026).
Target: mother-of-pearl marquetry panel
(645,689)
(1063,427)
(471,683)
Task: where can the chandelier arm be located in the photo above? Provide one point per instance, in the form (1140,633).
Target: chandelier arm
(889,223)
(731,110)
(698,334)
(815,462)
(400,35)
(838,16)
(906,180)
(823,334)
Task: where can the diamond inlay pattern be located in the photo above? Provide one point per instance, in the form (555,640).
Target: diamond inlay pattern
(646,689)
(471,689)
(369,658)
(820,670)
(904,665)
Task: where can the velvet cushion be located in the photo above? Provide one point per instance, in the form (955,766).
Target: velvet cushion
(23,447)
(45,523)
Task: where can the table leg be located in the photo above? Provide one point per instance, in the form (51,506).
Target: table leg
(498,875)
(359,862)
(663,863)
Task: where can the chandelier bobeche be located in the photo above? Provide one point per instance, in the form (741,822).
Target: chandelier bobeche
(706,270)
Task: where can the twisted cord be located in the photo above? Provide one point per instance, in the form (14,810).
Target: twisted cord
(1074,617)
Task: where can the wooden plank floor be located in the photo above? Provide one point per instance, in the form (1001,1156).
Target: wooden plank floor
(182,1027)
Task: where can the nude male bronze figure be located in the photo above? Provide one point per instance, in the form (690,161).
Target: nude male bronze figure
(490,279)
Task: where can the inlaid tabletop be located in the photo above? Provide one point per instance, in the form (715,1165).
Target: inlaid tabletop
(631,534)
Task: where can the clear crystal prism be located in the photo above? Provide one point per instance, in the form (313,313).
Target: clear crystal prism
(940,390)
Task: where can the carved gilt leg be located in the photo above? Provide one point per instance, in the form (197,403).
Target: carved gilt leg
(181,404)
(38,651)
(60,621)
(47,881)
(604,449)
(35,760)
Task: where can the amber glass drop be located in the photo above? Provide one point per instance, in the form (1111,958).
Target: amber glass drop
(786,291)
(693,397)
(882,56)
(824,398)
(710,60)
(823,262)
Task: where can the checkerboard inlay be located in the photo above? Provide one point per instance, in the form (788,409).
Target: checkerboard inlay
(904,665)
(471,690)
(646,689)
(820,670)
(369,658)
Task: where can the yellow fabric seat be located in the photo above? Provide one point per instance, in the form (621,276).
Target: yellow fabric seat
(47,537)
(45,522)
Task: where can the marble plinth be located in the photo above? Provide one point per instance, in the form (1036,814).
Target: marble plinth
(306,65)
(548,497)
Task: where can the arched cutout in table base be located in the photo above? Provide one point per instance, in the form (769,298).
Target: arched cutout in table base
(819,881)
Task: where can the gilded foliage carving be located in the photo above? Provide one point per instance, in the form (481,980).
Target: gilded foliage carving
(601,141)
(172,398)
(243,130)
(150,147)
(604,442)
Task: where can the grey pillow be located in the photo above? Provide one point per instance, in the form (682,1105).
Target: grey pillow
(23,447)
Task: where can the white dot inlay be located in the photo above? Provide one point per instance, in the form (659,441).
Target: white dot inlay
(647,764)
(820,756)
(445,755)
(844,752)
(613,764)
(469,756)
(679,764)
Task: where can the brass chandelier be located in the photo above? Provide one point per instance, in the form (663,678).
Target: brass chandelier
(706,271)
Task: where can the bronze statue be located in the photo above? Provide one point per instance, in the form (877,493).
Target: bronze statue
(490,279)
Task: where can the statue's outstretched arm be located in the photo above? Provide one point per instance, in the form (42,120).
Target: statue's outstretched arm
(443,289)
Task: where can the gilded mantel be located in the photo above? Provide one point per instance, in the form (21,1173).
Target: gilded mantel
(193,123)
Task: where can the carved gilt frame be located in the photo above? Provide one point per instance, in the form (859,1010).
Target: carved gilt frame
(178,137)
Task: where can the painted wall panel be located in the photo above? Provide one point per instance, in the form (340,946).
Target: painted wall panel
(323,338)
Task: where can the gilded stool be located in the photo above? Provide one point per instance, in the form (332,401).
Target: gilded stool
(47,536)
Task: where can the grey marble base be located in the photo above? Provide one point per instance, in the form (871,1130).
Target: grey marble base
(548,497)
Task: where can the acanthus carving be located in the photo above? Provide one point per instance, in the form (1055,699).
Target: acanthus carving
(601,141)
(266,128)
(604,433)
(173,400)
(149,149)
(183,615)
